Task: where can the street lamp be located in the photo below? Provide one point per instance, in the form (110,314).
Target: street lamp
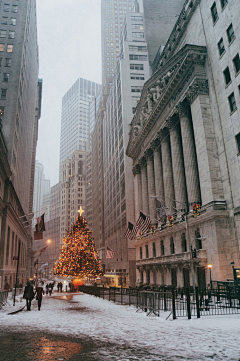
(210,269)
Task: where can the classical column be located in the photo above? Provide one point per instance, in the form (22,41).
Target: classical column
(137,190)
(189,155)
(158,170)
(145,207)
(167,171)
(205,139)
(177,163)
(151,185)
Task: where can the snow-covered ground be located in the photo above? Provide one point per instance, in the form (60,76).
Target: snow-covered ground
(85,316)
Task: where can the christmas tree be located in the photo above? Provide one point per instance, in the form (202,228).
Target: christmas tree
(78,256)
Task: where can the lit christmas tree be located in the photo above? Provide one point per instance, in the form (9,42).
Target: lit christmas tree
(78,256)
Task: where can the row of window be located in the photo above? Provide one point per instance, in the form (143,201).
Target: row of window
(4,21)
(214,11)
(226,72)
(7,8)
(3,33)
(138,57)
(230,36)
(137,35)
(9,48)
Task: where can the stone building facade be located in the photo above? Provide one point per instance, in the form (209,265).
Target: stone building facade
(20,109)
(184,142)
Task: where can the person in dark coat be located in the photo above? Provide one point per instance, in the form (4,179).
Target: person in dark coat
(28,295)
(39,292)
(60,284)
(50,288)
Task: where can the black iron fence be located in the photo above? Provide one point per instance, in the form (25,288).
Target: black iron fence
(3,298)
(179,302)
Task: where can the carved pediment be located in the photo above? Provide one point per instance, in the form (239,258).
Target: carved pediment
(162,89)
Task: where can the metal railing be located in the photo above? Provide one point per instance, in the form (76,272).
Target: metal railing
(3,298)
(180,302)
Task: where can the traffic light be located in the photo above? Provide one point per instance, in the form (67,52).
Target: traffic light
(152,229)
(194,253)
(196,209)
(170,221)
(182,218)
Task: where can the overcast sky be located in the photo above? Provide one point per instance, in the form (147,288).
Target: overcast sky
(69,39)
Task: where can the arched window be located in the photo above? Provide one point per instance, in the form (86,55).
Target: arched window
(172,248)
(198,239)
(154,249)
(162,247)
(184,243)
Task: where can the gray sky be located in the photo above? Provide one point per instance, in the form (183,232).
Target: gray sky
(69,39)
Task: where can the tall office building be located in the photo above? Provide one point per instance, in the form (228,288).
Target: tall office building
(112,19)
(75,126)
(20,109)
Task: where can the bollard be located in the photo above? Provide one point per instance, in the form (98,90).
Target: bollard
(109,294)
(121,295)
(173,305)
(188,304)
(197,302)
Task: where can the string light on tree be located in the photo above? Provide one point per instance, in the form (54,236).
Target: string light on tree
(78,256)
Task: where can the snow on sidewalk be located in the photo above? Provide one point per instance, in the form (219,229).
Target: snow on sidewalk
(215,337)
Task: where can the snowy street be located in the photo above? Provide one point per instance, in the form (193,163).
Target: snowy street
(82,327)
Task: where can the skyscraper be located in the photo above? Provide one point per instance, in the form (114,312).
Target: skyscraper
(20,109)
(75,127)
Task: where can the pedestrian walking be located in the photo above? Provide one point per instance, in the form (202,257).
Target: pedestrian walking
(39,292)
(28,295)
(6,287)
(47,287)
(60,284)
(50,288)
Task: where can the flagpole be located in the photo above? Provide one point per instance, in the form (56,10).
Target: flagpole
(19,246)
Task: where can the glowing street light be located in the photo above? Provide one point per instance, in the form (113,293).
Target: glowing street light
(210,269)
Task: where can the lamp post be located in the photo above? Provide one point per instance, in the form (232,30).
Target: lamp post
(234,273)
(210,269)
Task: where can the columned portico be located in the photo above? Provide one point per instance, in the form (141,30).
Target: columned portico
(137,190)
(189,154)
(144,180)
(158,170)
(151,185)
(177,163)
(167,171)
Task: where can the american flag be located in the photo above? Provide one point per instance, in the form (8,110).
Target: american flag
(42,250)
(131,231)
(40,226)
(109,253)
(143,222)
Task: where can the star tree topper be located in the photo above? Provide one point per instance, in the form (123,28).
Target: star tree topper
(80,211)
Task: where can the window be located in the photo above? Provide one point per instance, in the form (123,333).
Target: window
(224,3)
(14,8)
(232,102)
(146,250)
(6,7)
(137,76)
(13,21)
(154,249)
(214,12)
(137,48)
(136,18)
(184,243)
(4,20)
(1,47)
(1,111)
(137,57)
(136,89)
(5,77)
(9,48)
(227,76)
(238,142)
(221,47)
(11,34)
(230,34)
(3,33)
(0,61)
(3,93)
(140,252)
(172,248)
(162,247)
(8,62)
(138,35)
(137,26)
(236,62)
